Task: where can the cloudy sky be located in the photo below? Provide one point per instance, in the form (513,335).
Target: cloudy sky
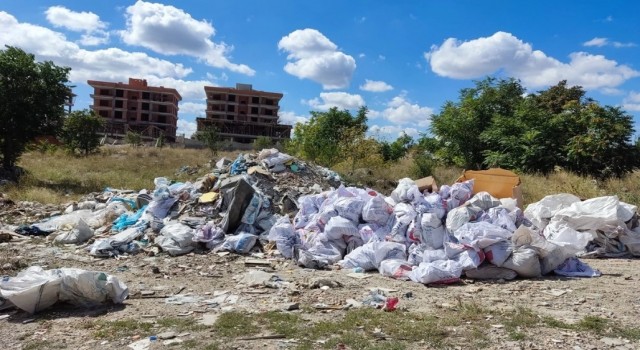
(402,59)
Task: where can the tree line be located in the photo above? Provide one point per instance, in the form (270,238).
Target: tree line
(495,123)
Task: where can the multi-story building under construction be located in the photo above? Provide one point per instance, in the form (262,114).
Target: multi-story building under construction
(242,114)
(148,110)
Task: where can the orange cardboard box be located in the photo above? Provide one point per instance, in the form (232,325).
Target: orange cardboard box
(500,183)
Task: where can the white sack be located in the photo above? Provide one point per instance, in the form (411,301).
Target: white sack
(442,271)
(176,239)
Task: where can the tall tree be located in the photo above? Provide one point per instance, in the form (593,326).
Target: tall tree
(32,96)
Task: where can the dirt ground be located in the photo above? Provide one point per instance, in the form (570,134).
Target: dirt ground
(612,297)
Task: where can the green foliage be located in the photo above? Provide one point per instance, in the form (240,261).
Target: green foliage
(262,142)
(357,150)
(32,96)
(493,124)
(80,131)
(209,136)
(319,139)
(133,138)
(392,151)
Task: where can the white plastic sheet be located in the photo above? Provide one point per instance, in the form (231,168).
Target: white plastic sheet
(35,289)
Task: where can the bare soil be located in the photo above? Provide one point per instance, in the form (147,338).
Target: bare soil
(612,297)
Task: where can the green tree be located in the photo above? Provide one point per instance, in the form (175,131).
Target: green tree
(210,137)
(460,124)
(318,140)
(392,151)
(32,96)
(133,138)
(80,131)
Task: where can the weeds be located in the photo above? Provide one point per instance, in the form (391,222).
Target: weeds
(118,329)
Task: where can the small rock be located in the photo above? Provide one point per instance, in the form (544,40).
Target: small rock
(155,269)
(291,306)
(172,342)
(209,319)
(145,293)
(612,341)
(166,335)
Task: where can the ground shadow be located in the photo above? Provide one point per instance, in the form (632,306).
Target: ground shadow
(65,310)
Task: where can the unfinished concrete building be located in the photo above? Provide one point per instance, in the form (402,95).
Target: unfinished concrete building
(241,114)
(148,110)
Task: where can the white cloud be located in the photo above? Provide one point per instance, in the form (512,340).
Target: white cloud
(504,52)
(382,57)
(188,128)
(401,111)
(94,39)
(375,86)
(61,16)
(193,108)
(612,91)
(391,132)
(291,118)
(313,56)
(600,42)
(631,103)
(171,31)
(342,100)
(362,55)
(111,64)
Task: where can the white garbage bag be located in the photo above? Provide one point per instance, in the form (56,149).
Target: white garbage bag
(376,210)
(406,191)
(369,256)
(458,217)
(437,204)
(433,232)
(339,227)
(75,231)
(176,239)
(457,194)
(541,212)
(483,201)
(524,260)
(481,234)
(396,268)
(285,237)
(35,289)
(498,253)
(323,254)
(441,271)
(240,243)
(349,208)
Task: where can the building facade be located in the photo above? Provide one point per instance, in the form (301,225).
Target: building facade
(148,110)
(242,114)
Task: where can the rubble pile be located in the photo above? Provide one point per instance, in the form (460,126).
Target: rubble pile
(274,203)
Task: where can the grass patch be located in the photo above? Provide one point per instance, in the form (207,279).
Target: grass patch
(181,324)
(118,329)
(235,324)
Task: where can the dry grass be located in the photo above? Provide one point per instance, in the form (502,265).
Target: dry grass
(56,177)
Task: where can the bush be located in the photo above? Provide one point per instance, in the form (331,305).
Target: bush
(262,142)
(80,131)
(133,138)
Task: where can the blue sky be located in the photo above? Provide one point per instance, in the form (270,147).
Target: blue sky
(402,59)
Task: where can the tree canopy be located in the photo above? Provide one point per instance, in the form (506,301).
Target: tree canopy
(80,131)
(496,124)
(32,96)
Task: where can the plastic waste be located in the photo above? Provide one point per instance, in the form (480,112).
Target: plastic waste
(376,210)
(241,243)
(525,261)
(573,267)
(285,237)
(440,271)
(209,234)
(349,208)
(75,231)
(176,239)
(339,227)
(35,289)
(396,268)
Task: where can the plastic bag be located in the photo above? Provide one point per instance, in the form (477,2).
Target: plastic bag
(321,255)
(396,268)
(459,193)
(481,234)
(209,234)
(441,271)
(458,217)
(524,260)
(35,289)
(573,267)
(437,205)
(241,243)
(370,255)
(75,231)
(285,237)
(466,256)
(406,191)
(500,217)
(433,233)
(541,212)
(337,227)
(483,201)
(376,210)
(176,239)
(349,208)
(498,253)
(126,220)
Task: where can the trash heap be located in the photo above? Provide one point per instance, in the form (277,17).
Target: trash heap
(275,203)
(230,209)
(438,237)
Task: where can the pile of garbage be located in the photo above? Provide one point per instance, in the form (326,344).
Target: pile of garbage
(437,237)
(275,203)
